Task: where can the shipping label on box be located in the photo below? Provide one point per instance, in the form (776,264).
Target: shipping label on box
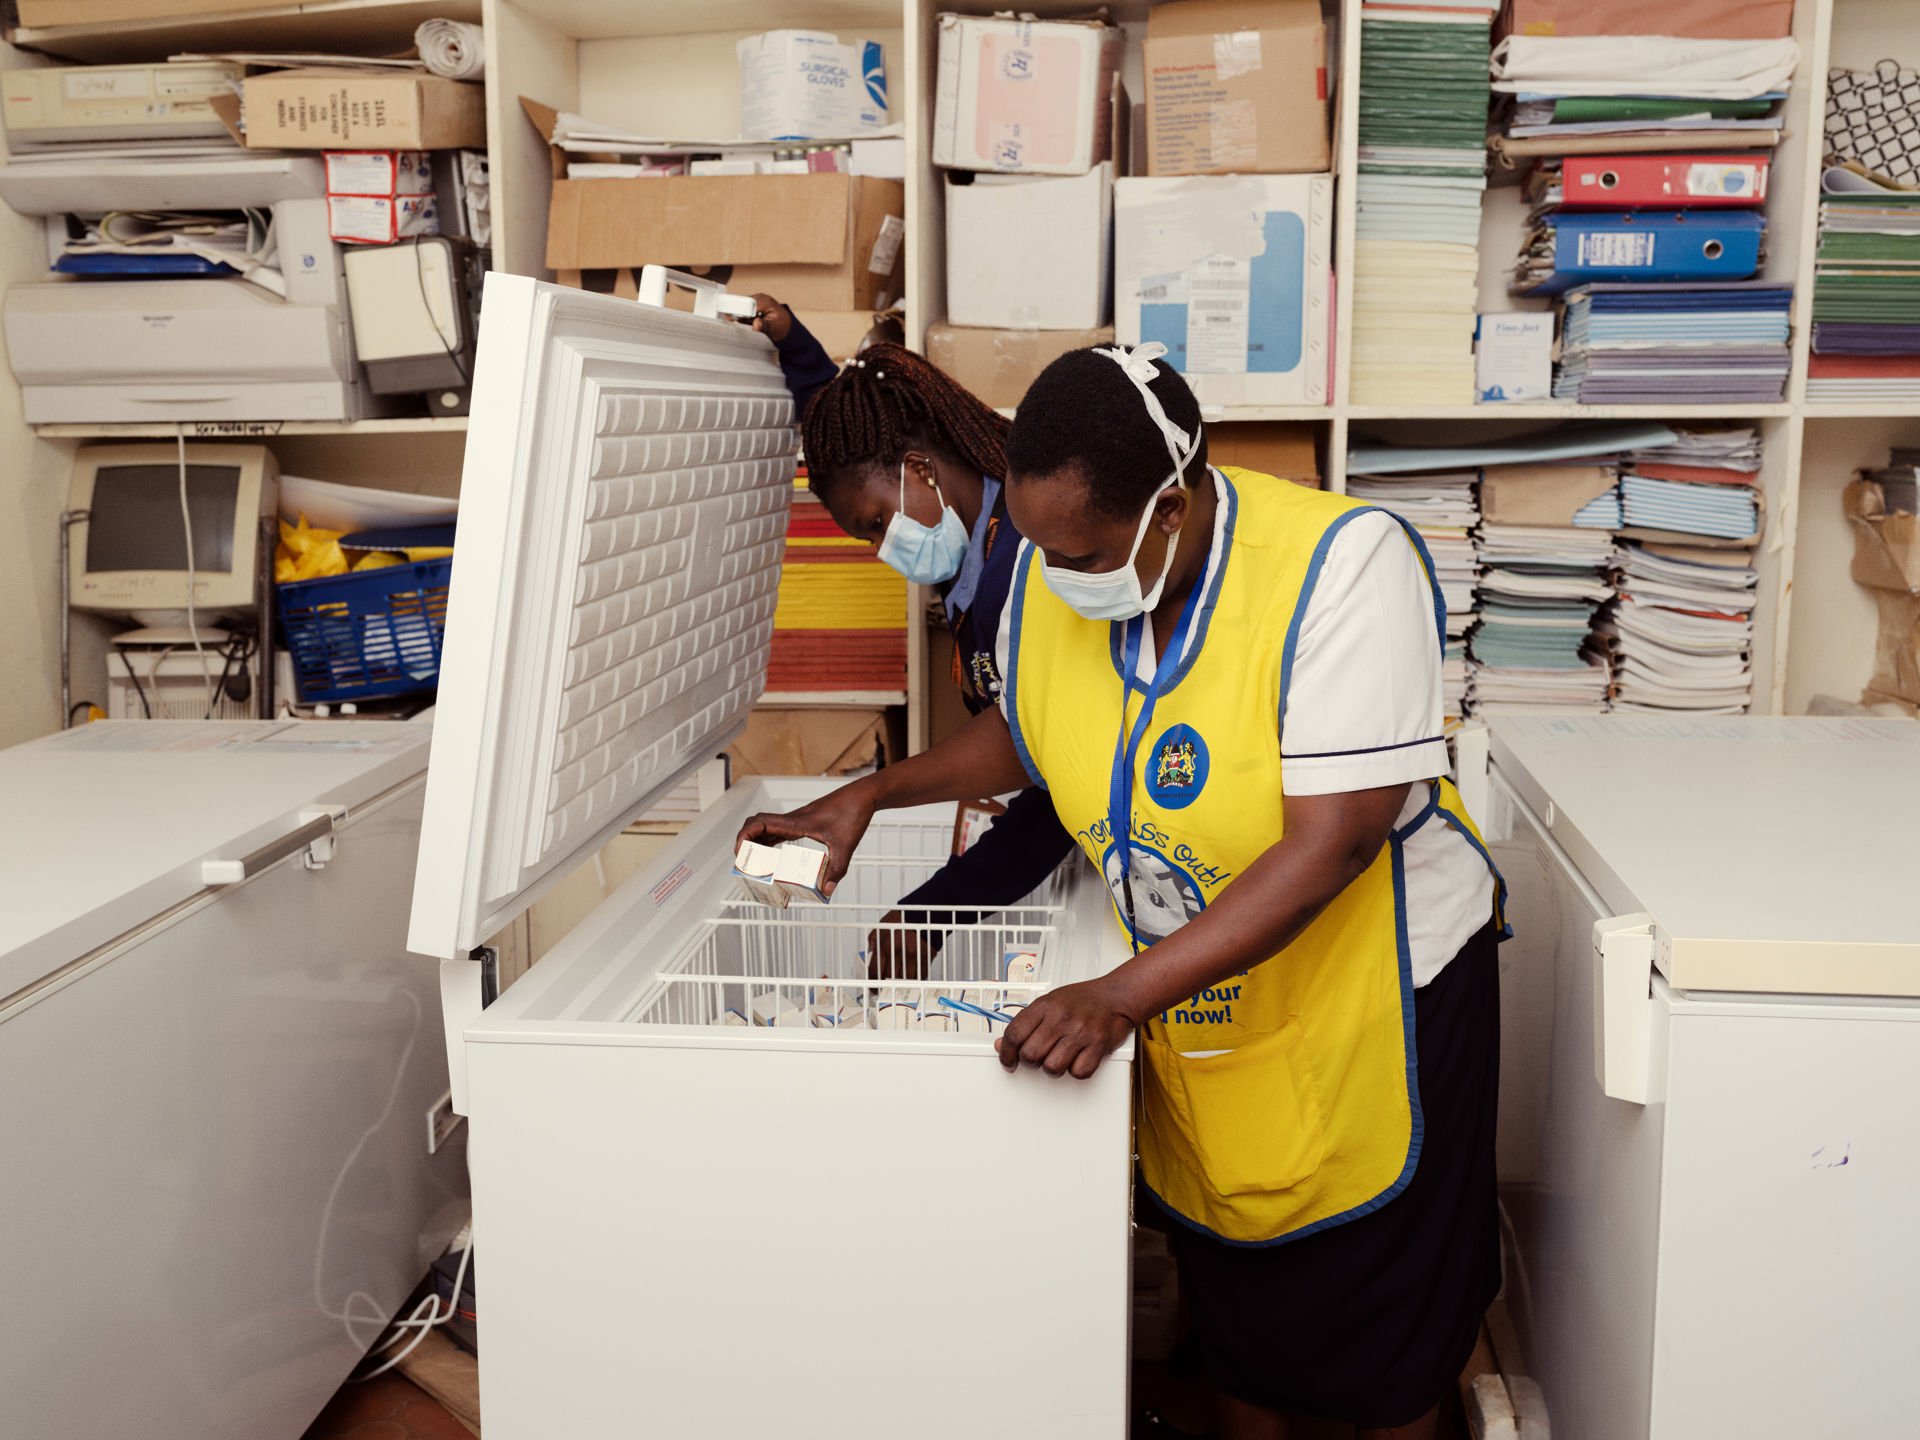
(383,173)
(1024,96)
(1231,274)
(807,85)
(381,220)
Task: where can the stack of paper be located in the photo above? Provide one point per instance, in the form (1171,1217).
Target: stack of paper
(1654,344)
(840,622)
(1441,507)
(1866,292)
(1544,504)
(1624,94)
(1681,629)
(1539,588)
(1706,483)
(1423,162)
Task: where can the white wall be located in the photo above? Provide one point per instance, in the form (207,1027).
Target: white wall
(33,491)
(688,84)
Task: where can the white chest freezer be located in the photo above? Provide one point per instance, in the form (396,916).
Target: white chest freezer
(219,1065)
(722,1185)
(1710,1134)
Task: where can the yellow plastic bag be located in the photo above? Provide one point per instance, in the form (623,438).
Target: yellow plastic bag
(305,553)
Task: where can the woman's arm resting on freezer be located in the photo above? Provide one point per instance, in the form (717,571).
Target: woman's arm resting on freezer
(977,759)
(1330,840)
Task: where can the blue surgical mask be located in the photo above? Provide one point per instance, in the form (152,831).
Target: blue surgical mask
(925,554)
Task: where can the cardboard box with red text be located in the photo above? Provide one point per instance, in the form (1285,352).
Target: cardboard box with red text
(1236,87)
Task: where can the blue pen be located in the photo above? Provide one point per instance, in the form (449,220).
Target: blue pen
(974,1009)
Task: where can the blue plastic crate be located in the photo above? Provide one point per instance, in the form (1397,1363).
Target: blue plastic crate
(368,635)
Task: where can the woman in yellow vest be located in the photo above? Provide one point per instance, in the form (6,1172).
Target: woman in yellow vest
(1230,688)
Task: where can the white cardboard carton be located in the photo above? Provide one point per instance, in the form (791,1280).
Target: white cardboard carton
(382,173)
(1024,96)
(1030,252)
(807,85)
(371,220)
(1231,273)
(777,875)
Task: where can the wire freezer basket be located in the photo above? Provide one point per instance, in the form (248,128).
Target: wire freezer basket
(806,968)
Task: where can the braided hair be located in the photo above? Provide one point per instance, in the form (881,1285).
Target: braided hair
(887,400)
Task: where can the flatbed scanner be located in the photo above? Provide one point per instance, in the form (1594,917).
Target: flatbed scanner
(138,351)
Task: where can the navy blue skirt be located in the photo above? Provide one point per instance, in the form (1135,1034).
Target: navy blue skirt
(1372,1321)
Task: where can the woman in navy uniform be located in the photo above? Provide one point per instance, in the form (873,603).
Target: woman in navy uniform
(902,455)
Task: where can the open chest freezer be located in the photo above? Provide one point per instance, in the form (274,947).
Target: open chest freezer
(724,1185)
(1711,1140)
(220,1168)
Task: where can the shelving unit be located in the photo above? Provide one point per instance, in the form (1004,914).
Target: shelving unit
(257,429)
(672,66)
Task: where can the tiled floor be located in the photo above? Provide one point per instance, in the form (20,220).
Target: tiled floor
(389,1408)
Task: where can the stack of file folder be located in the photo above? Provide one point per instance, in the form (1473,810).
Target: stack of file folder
(1641,93)
(1866,292)
(1717,344)
(1681,630)
(1540,587)
(1442,508)
(1423,162)
(840,622)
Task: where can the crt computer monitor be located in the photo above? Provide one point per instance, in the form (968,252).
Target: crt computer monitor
(127,551)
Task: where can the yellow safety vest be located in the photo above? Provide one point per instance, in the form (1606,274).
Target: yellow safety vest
(1285,1099)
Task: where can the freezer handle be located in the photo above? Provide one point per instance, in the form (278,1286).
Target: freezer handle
(1623,1007)
(710,298)
(314,835)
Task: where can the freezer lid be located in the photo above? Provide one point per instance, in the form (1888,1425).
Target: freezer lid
(623,511)
(1774,854)
(111,825)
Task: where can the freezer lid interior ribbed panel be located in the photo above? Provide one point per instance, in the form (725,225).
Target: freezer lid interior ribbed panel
(1773,853)
(622,519)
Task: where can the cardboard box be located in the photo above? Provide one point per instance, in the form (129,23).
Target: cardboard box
(322,109)
(806,85)
(1236,87)
(813,742)
(998,277)
(1257,251)
(1896,650)
(1886,559)
(381,220)
(383,173)
(1693,19)
(1886,544)
(841,333)
(39,13)
(1288,449)
(1026,96)
(1542,494)
(815,242)
(999,365)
